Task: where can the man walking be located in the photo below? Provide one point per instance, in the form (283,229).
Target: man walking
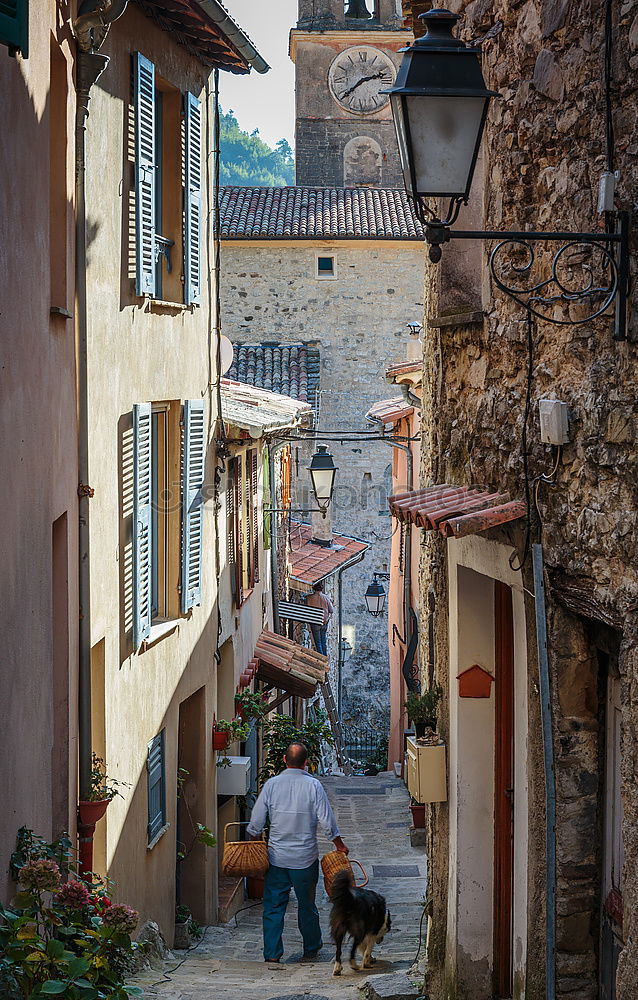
(294,803)
(319,632)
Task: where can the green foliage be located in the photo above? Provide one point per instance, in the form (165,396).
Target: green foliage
(73,944)
(247,161)
(237,730)
(201,834)
(251,705)
(424,707)
(195,930)
(102,787)
(281,730)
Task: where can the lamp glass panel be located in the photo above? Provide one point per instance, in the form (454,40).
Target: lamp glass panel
(322,480)
(396,104)
(444,132)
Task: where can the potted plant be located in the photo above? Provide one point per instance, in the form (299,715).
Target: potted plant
(423,708)
(103,790)
(225,733)
(251,705)
(418,815)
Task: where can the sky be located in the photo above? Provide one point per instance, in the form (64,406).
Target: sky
(264,101)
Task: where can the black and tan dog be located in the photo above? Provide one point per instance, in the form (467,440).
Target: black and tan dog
(359,913)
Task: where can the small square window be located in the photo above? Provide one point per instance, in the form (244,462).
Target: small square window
(326,267)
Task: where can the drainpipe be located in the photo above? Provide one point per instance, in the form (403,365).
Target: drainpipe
(550,781)
(90,30)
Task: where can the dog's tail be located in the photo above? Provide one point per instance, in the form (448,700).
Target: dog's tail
(340,890)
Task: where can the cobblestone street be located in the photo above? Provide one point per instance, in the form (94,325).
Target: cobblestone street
(374,819)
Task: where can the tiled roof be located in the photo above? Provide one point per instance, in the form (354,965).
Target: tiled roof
(403,368)
(207,31)
(390,410)
(456,510)
(258,410)
(288,665)
(292,369)
(306,213)
(311,562)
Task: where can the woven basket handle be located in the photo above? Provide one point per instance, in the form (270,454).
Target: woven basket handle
(359,885)
(237,823)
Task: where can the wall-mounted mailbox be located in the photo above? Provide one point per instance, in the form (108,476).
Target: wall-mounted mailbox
(475,682)
(425,773)
(234,778)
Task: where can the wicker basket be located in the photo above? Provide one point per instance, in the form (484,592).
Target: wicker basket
(337,861)
(244,857)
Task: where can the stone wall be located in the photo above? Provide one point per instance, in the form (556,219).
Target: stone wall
(545,150)
(270,293)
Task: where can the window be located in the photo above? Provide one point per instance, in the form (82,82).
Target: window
(242,511)
(159,574)
(167,188)
(326,267)
(156,782)
(14,26)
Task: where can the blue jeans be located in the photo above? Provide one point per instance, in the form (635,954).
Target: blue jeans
(279,882)
(319,637)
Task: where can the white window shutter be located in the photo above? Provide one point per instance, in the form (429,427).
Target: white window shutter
(193,201)
(142,498)
(192,503)
(144,101)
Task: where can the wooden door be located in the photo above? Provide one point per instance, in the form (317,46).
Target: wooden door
(503,790)
(613,855)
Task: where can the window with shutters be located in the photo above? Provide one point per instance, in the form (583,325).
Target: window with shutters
(168,178)
(168,461)
(156,784)
(243,512)
(14,26)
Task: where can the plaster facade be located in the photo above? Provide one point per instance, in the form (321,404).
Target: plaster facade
(270,292)
(544,151)
(38,547)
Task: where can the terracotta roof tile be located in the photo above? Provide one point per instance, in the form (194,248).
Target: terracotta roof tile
(390,410)
(288,665)
(291,369)
(190,27)
(311,562)
(403,368)
(455,510)
(249,213)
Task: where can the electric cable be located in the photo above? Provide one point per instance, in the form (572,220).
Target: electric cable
(524,448)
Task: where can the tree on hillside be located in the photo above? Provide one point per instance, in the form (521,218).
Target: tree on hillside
(248,161)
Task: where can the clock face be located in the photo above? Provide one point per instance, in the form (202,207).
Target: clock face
(357,75)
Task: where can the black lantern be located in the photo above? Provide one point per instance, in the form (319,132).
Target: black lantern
(375,598)
(439,104)
(322,471)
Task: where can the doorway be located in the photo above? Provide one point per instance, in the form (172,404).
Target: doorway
(191,805)
(503,790)
(611,916)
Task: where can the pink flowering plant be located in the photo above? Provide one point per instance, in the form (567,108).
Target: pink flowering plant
(61,935)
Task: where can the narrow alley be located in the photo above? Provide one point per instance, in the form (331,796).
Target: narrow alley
(374,819)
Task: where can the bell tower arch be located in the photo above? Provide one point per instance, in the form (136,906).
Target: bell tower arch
(346,52)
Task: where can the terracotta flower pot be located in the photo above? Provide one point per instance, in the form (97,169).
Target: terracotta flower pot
(91,812)
(220,740)
(418,816)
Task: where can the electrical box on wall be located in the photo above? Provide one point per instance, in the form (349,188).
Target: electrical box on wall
(233,778)
(554,421)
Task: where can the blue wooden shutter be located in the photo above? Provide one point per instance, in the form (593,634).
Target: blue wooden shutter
(142,496)
(14,26)
(156,778)
(192,503)
(144,99)
(193,201)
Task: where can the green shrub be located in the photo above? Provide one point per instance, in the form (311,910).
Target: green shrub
(281,730)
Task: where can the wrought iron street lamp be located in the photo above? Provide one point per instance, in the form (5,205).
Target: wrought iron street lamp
(322,471)
(439,104)
(375,598)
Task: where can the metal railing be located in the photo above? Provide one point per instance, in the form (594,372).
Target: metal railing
(365,747)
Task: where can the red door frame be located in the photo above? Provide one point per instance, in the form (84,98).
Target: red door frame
(503,790)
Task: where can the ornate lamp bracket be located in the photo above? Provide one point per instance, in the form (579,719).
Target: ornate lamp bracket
(586,275)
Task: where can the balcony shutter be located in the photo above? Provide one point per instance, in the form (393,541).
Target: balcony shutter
(14,26)
(231,545)
(142,495)
(193,200)
(254,516)
(267,499)
(239,533)
(144,100)
(156,778)
(192,503)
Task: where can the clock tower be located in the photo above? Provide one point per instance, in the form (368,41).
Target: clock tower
(346,52)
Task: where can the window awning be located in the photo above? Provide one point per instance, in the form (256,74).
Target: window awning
(455,511)
(289,666)
(388,411)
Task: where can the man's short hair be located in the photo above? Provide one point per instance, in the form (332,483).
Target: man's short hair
(296,755)
(318,586)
